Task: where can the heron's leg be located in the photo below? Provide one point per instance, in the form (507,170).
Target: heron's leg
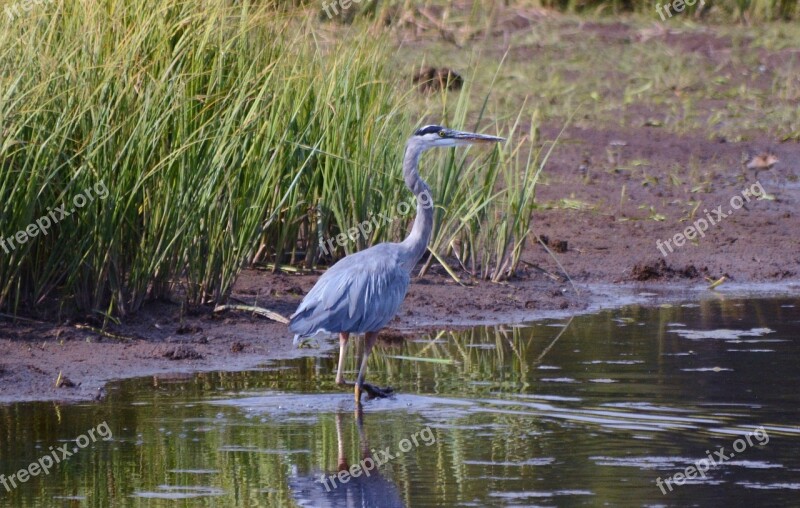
(340,380)
(342,347)
(369,341)
(374,392)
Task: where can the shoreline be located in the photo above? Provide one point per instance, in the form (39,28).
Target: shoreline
(239,342)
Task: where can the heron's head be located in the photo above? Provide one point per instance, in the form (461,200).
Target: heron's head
(435,135)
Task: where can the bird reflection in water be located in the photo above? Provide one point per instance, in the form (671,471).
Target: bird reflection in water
(353,485)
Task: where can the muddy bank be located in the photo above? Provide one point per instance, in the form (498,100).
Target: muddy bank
(158,343)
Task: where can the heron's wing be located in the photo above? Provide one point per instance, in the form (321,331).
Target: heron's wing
(360,293)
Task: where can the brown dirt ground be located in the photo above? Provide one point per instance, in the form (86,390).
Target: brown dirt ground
(611,244)
(616,243)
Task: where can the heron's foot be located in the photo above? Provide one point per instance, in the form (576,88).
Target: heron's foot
(377,393)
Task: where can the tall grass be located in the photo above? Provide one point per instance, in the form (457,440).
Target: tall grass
(225,132)
(485,203)
(205,122)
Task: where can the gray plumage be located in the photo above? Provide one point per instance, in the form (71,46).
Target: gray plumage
(359,294)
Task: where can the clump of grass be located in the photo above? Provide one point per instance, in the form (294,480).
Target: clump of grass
(226,133)
(208,122)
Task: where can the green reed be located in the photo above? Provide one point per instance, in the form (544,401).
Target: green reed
(226,133)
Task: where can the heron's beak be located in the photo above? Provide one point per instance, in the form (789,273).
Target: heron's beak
(471,137)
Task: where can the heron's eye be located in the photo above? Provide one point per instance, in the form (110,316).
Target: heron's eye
(441,134)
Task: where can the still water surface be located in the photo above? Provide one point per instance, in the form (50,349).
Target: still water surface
(583,413)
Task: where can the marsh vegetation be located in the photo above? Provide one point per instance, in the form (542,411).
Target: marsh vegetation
(240,134)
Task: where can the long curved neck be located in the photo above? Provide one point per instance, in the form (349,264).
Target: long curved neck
(417,241)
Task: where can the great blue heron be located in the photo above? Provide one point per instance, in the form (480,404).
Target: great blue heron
(363,291)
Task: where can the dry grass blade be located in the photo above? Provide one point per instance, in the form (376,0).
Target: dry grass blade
(445,361)
(255,310)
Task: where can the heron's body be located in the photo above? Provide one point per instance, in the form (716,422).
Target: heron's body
(363,291)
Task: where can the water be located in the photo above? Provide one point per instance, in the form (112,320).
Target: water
(584,415)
